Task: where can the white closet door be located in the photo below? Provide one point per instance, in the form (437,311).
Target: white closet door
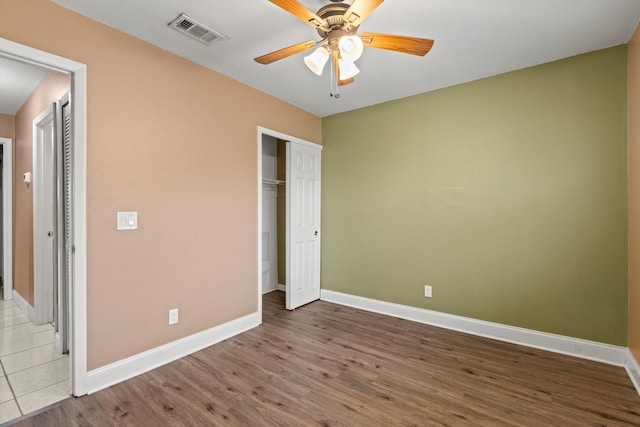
(303,223)
(44,217)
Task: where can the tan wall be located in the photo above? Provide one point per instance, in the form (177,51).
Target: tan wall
(50,89)
(177,143)
(7,126)
(633,111)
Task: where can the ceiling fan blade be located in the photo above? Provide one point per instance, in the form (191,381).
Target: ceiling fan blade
(412,45)
(337,71)
(301,12)
(283,53)
(359,10)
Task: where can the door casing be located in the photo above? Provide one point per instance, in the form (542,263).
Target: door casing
(78,311)
(7,215)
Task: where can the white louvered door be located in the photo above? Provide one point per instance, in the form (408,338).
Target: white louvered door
(64,190)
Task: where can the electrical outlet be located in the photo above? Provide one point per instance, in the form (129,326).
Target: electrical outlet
(427,291)
(173,316)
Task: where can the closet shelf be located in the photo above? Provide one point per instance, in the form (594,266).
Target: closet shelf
(273,181)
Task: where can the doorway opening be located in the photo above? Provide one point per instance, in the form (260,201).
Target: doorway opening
(274,187)
(299,162)
(34,353)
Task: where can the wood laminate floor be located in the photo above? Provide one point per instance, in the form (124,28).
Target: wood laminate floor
(326,365)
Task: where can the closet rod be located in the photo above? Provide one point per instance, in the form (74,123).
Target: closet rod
(273,181)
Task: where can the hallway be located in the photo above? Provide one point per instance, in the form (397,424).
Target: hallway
(32,374)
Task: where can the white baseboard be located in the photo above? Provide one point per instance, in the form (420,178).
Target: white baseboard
(278,287)
(24,306)
(633,369)
(606,353)
(122,370)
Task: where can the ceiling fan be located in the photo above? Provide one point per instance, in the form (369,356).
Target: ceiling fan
(337,24)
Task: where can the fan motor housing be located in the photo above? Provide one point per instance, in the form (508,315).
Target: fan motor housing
(333,14)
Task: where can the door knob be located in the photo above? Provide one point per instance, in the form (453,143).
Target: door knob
(50,234)
(316,233)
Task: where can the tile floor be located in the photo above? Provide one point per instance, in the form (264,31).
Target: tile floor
(32,374)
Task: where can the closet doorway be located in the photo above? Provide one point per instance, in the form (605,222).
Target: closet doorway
(288,217)
(273,214)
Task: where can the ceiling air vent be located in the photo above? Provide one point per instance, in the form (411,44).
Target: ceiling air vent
(192,28)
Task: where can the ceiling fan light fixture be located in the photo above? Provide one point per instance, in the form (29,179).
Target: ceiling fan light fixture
(315,62)
(351,48)
(347,69)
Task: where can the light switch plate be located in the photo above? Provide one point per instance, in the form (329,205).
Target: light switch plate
(127,220)
(173,316)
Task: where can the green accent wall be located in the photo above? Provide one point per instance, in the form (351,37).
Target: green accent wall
(508,195)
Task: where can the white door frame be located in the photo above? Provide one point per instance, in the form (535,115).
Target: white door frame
(7,215)
(283,136)
(78,309)
(42,291)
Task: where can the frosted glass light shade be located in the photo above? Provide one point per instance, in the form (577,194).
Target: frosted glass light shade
(316,60)
(351,48)
(347,69)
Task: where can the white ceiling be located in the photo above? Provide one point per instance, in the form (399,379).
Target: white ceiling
(473,39)
(17,81)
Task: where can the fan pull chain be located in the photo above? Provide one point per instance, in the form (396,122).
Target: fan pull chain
(333,94)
